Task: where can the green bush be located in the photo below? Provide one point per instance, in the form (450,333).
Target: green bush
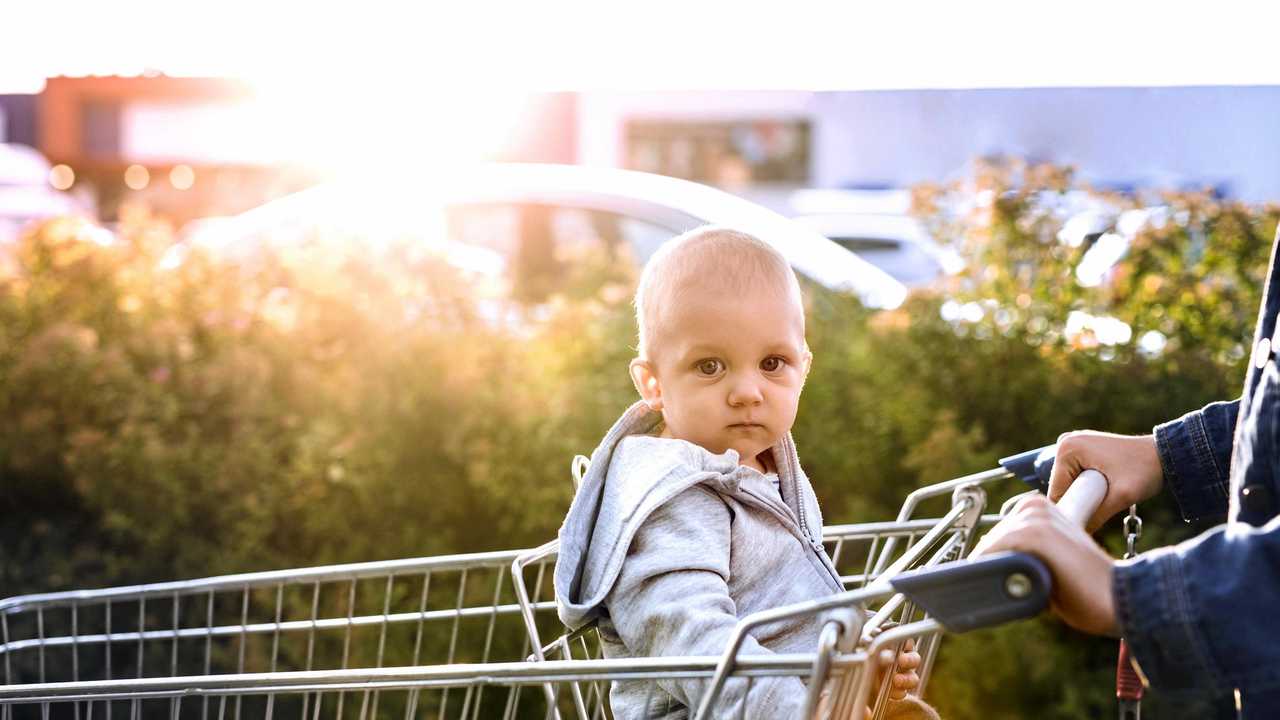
(172,415)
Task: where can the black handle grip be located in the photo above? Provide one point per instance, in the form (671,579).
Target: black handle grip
(987,591)
(1032,467)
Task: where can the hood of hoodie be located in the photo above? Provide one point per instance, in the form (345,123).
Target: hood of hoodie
(632,474)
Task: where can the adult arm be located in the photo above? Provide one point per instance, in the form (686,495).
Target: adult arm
(1201,614)
(672,599)
(1198,616)
(1193,613)
(1195,456)
(1191,456)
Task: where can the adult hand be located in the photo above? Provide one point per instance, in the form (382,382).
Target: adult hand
(1081,569)
(1130,464)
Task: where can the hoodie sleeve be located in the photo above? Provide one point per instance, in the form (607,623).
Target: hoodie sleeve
(672,599)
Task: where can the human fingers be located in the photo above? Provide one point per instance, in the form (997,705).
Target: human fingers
(905,658)
(1026,511)
(903,683)
(904,678)
(1081,569)
(906,681)
(908,660)
(1066,464)
(1130,464)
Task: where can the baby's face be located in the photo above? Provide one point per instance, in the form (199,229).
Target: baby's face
(730,369)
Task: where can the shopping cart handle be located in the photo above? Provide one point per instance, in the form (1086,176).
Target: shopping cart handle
(979,593)
(1032,467)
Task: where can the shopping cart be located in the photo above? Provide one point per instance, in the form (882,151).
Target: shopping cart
(476,635)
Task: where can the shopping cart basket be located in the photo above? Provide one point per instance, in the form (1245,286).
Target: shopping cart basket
(476,635)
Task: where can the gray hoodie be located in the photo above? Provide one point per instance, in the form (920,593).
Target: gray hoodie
(667,546)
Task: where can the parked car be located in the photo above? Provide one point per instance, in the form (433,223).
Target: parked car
(1106,231)
(487,217)
(895,243)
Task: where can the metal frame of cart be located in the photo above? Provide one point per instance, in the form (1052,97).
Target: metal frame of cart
(457,636)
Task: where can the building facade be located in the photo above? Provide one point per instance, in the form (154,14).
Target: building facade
(1119,138)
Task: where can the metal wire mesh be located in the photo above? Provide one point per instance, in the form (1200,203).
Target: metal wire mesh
(463,636)
(443,610)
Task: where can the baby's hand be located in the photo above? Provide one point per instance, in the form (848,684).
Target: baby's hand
(905,678)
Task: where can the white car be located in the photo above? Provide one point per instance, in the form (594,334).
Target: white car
(485,216)
(895,243)
(1106,233)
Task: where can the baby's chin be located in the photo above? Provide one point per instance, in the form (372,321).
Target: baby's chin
(752,451)
(748,448)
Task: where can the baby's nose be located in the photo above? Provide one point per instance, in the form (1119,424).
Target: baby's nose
(745,392)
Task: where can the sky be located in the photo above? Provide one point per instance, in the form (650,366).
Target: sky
(317,48)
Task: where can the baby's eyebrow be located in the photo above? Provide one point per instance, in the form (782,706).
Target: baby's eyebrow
(782,346)
(777,347)
(702,349)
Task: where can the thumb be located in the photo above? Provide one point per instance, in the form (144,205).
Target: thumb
(1066,466)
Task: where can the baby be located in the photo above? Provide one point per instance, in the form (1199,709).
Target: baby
(695,512)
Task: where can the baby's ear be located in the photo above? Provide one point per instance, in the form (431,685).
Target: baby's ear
(646,382)
(806,363)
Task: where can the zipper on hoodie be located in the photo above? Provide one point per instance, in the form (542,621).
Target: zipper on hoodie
(791,524)
(793,471)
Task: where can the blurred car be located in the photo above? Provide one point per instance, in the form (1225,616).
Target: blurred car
(895,243)
(25,193)
(488,217)
(1106,236)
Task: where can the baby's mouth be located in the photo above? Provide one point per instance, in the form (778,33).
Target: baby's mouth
(746,426)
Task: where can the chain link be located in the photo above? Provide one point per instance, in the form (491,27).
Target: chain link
(1132,531)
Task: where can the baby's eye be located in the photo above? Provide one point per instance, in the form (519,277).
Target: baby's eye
(709,367)
(773,363)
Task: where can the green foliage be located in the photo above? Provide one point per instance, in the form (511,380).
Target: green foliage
(170,414)
(176,415)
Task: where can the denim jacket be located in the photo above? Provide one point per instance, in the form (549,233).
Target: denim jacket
(1204,615)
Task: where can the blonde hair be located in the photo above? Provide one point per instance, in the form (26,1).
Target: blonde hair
(734,261)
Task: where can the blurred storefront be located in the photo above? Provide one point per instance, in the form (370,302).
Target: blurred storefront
(1118,138)
(733,139)
(198,147)
(195,147)
(182,146)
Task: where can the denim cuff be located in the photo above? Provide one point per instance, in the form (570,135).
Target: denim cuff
(1159,620)
(1192,470)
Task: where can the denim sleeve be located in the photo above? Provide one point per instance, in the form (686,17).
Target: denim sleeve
(1193,613)
(1195,454)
